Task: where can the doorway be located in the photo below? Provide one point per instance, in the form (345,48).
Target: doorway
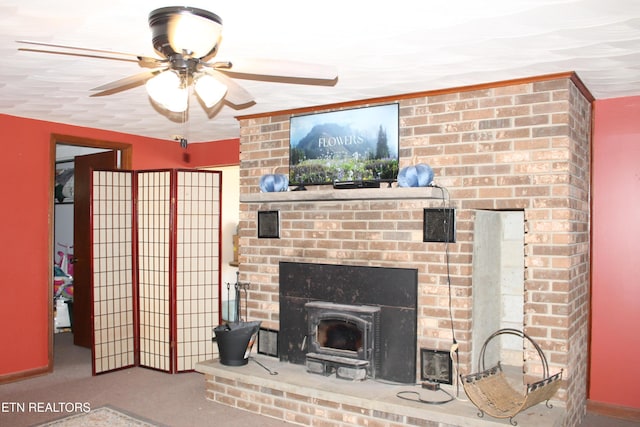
(67,148)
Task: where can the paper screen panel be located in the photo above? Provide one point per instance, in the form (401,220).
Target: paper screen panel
(113,317)
(197,266)
(154,268)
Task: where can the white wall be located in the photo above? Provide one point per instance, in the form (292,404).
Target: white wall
(230,217)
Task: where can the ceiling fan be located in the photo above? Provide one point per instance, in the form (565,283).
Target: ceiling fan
(187,39)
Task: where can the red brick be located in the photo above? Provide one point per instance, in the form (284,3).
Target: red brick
(523,147)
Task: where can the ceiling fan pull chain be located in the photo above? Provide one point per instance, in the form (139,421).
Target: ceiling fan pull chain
(185,118)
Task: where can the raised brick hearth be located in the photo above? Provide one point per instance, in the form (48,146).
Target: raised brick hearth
(519,145)
(300,398)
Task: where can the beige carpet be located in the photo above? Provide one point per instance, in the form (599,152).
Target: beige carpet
(100,417)
(155,397)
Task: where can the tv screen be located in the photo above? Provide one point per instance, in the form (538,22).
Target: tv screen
(354,145)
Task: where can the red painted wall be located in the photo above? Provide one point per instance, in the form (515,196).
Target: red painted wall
(25,226)
(615,340)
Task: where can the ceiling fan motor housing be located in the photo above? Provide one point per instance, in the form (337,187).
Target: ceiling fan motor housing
(186,31)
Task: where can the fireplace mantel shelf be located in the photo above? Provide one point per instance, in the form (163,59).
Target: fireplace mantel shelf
(332,194)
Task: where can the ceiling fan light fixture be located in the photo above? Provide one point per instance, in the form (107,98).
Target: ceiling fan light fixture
(179,102)
(193,34)
(168,90)
(210,90)
(185,30)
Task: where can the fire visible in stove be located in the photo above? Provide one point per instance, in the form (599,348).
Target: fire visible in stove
(342,339)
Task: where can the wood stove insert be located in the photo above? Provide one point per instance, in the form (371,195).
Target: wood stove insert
(392,290)
(342,339)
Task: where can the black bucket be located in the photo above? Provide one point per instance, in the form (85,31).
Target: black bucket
(235,341)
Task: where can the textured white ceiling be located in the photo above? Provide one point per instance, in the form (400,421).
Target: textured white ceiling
(378,48)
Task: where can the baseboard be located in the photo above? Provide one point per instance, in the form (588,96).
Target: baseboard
(614,411)
(24,375)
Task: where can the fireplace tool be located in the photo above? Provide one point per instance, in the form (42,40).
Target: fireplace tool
(245,287)
(236,298)
(236,338)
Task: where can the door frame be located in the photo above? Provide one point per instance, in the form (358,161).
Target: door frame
(126,162)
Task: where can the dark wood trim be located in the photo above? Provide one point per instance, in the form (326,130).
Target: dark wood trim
(126,149)
(582,88)
(566,75)
(25,375)
(613,411)
(51,244)
(126,162)
(173,272)
(590,314)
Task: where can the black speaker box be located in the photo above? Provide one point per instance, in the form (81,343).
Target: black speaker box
(439,225)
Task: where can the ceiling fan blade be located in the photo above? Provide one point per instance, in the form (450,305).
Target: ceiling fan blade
(84,55)
(281,71)
(125,83)
(62,46)
(236,94)
(143,61)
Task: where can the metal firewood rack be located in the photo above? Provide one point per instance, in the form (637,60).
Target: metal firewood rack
(491,393)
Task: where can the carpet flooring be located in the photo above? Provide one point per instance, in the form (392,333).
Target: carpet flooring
(154,397)
(170,400)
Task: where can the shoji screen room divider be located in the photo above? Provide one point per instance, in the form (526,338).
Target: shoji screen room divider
(156,268)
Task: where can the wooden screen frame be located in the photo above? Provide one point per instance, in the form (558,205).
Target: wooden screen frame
(209,212)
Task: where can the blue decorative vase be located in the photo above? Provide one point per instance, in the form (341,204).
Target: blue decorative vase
(273,183)
(420,175)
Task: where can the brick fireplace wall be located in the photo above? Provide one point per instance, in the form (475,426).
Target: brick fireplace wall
(517,145)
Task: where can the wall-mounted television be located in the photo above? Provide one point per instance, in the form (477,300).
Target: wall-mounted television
(352,145)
